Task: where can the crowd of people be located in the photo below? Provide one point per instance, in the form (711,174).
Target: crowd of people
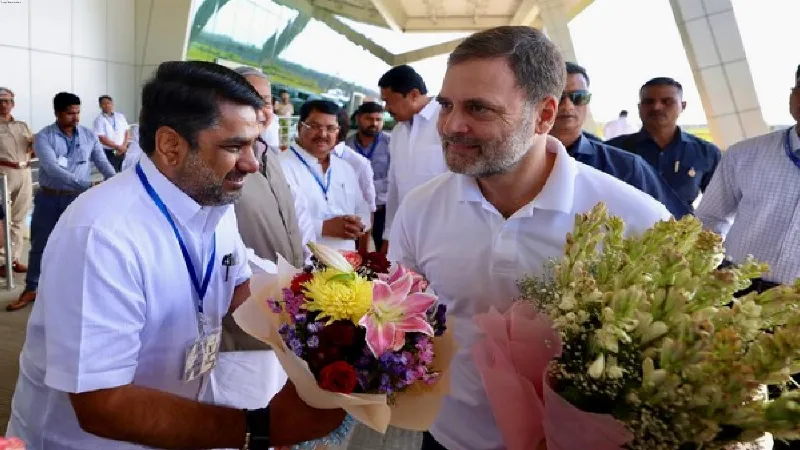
(133,280)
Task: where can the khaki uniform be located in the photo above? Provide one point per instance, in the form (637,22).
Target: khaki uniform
(15,142)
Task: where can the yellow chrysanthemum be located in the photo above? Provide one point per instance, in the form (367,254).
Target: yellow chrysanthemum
(338,296)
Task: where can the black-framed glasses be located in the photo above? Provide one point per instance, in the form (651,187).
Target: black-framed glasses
(580,97)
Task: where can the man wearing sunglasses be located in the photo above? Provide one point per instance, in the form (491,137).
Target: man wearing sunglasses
(632,169)
(686,162)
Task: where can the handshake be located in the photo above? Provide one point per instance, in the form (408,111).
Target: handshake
(344,227)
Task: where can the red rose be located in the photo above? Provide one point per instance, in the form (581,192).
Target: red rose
(338,377)
(353,258)
(340,334)
(297,282)
(376,262)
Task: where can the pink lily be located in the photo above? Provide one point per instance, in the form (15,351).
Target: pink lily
(394,313)
(418,284)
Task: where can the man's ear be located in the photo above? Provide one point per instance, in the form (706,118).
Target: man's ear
(545,116)
(170,147)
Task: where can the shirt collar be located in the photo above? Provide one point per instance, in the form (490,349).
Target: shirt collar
(75,133)
(583,146)
(338,150)
(643,135)
(795,139)
(430,110)
(183,208)
(556,195)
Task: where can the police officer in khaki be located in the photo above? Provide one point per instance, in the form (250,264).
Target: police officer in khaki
(16,147)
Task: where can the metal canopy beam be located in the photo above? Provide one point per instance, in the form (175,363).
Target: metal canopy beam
(427,52)
(354,36)
(392,12)
(368,16)
(454,23)
(526,13)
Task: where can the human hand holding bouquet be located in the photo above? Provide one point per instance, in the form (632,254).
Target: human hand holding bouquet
(645,330)
(352,334)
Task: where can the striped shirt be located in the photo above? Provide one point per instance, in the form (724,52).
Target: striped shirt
(753,202)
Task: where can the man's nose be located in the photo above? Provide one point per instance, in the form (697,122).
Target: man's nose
(247,161)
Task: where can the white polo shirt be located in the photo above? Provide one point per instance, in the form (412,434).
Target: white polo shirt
(473,258)
(343,198)
(417,157)
(112,127)
(363,170)
(116,305)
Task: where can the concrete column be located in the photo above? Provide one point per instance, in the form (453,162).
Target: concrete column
(162,34)
(713,44)
(556,25)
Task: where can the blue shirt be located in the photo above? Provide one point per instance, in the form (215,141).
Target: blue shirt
(64,162)
(629,168)
(378,156)
(686,164)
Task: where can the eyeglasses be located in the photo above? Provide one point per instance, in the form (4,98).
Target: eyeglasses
(317,128)
(580,97)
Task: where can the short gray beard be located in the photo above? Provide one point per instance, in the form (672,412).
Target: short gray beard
(496,157)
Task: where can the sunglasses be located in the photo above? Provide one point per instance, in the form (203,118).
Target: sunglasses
(578,98)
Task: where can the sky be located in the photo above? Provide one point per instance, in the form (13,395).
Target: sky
(621,43)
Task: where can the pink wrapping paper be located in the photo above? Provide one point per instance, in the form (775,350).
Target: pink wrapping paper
(512,361)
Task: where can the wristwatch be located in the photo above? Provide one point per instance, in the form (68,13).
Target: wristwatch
(258,435)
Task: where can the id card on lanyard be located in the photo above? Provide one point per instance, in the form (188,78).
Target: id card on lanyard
(63,161)
(201,356)
(323,186)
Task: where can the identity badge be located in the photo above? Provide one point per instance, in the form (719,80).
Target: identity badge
(201,356)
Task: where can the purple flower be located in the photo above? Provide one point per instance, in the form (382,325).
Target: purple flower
(425,347)
(313,342)
(274,306)
(440,320)
(296,346)
(286,329)
(314,327)
(300,318)
(293,302)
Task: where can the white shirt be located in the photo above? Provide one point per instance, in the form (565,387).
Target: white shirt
(344,196)
(753,201)
(134,152)
(617,127)
(112,127)
(417,157)
(272,134)
(473,258)
(363,169)
(116,305)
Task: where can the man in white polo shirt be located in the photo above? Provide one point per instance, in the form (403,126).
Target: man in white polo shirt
(134,287)
(504,209)
(415,148)
(111,129)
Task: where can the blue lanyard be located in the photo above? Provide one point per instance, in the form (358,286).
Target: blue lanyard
(322,186)
(113,121)
(371,148)
(70,142)
(789,152)
(200,289)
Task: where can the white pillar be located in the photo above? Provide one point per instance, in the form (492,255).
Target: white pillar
(162,33)
(713,44)
(556,25)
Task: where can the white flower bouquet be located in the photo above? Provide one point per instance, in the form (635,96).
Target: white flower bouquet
(645,330)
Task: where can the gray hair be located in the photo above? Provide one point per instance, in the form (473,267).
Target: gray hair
(5,89)
(536,62)
(247,71)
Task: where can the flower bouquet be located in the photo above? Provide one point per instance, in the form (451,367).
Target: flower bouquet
(641,344)
(353,334)
(11,444)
